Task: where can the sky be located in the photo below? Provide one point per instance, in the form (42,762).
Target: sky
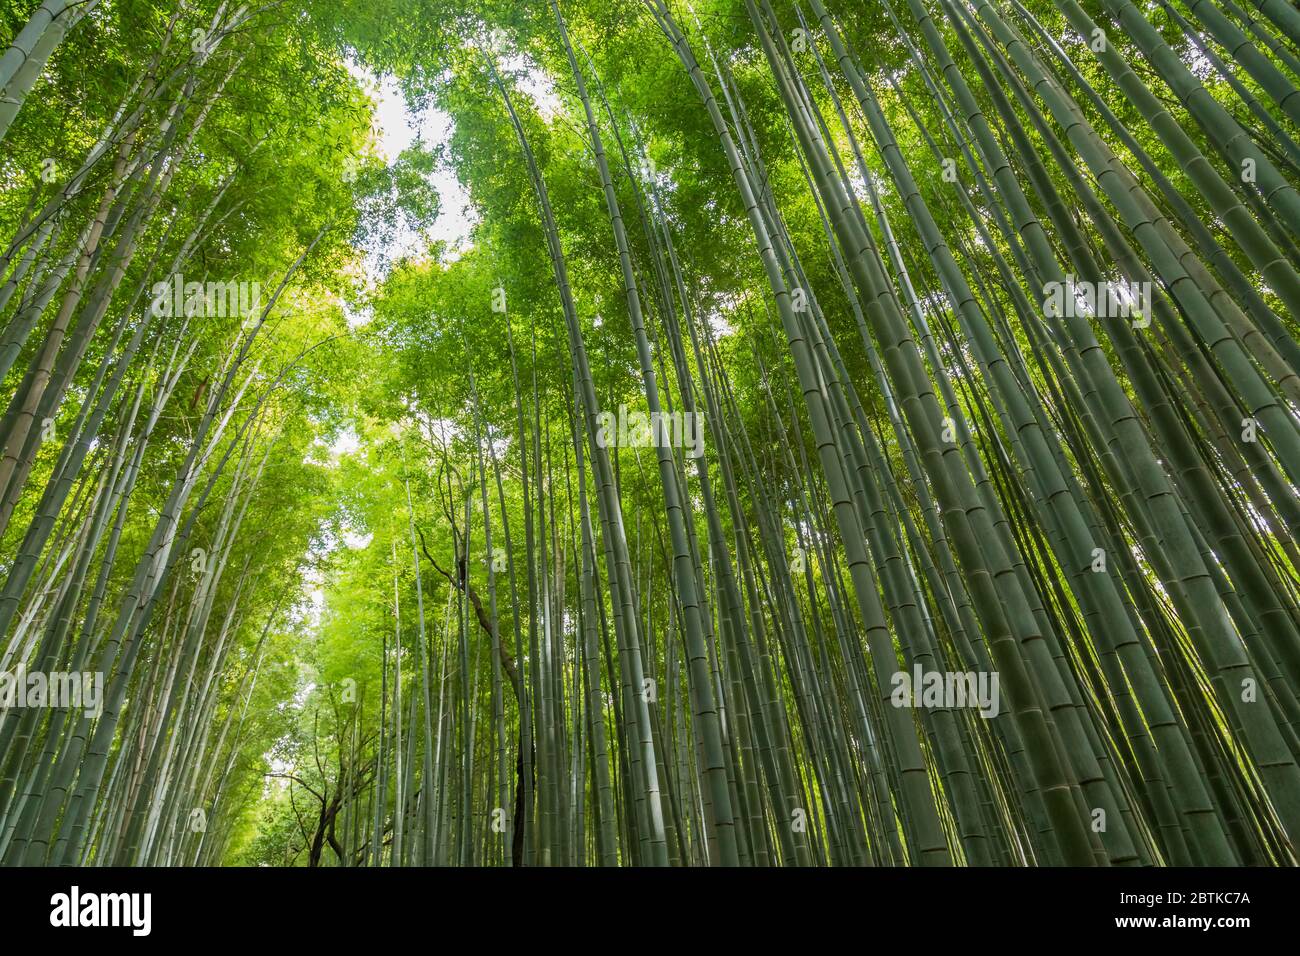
(395,127)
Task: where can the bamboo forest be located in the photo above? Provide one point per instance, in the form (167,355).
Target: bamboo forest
(762,433)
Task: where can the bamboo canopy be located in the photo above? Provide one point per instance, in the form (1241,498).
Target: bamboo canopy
(720,433)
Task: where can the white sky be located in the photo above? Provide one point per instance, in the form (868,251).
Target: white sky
(395,128)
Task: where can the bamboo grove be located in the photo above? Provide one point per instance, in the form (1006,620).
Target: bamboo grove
(847,433)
